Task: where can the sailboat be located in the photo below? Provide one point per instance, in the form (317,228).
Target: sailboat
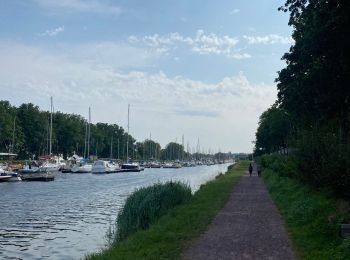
(82,166)
(50,163)
(128,166)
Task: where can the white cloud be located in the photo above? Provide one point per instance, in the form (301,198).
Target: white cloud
(234,11)
(268,39)
(167,106)
(201,43)
(80,6)
(52,32)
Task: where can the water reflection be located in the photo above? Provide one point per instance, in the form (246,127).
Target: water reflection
(69,217)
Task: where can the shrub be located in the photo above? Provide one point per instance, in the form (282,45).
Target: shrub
(145,206)
(283,165)
(324,161)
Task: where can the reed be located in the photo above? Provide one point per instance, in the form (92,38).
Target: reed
(145,206)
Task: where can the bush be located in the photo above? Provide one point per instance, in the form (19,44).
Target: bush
(145,206)
(324,161)
(283,165)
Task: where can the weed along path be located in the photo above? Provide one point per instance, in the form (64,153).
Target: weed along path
(248,227)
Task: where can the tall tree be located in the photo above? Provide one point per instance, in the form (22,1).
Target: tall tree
(315,84)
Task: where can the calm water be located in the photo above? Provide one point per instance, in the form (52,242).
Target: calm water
(69,217)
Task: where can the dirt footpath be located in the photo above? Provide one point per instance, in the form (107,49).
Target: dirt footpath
(248,227)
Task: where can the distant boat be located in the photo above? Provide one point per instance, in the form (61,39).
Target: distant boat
(38,176)
(130,167)
(51,164)
(6,176)
(167,165)
(81,167)
(100,167)
(154,165)
(176,165)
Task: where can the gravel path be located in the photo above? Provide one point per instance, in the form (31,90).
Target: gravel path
(248,227)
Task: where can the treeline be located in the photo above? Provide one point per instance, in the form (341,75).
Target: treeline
(25,131)
(311,117)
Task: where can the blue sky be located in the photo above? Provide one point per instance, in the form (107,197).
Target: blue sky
(204,69)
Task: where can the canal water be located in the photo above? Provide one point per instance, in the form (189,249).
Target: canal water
(69,217)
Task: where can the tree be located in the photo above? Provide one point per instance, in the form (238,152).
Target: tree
(273,131)
(172,151)
(315,84)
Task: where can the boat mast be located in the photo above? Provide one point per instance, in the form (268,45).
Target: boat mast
(150,145)
(127,137)
(118,148)
(85,139)
(111,153)
(88,140)
(50,146)
(13,135)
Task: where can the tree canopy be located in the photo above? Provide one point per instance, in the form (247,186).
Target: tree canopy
(312,112)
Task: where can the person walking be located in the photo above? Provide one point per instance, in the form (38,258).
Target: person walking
(259,170)
(250,169)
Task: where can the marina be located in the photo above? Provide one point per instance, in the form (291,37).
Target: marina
(70,217)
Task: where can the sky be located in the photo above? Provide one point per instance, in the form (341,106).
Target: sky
(204,69)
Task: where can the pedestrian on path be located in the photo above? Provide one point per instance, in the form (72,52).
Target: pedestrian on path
(259,170)
(250,169)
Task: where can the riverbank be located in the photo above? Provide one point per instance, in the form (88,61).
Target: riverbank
(248,227)
(169,237)
(312,217)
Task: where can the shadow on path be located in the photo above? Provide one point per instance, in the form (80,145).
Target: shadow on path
(248,227)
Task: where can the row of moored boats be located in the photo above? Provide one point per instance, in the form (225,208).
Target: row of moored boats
(43,169)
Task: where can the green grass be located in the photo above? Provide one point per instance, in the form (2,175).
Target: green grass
(312,217)
(146,205)
(167,238)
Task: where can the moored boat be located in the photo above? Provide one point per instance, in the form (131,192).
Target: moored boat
(130,167)
(38,176)
(82,168)
(9,176)
(100,167)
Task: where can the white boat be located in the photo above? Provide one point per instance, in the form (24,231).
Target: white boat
(167,165)
(81,167)
(6,176)
(71,162)
(176,165)
(154,164)
(101,166)
(52,164)
(130,167)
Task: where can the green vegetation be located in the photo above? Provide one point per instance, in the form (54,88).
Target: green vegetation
(311,117)
(31,133)
(312,217)
(24,130)
(145,206)
(168,237)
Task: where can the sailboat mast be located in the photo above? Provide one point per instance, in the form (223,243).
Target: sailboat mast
(50,145)
(118,148)
(85,139)
(13,135)
(111,153)
(127,137)
(88,139)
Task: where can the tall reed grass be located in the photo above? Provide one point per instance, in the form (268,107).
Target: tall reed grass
(145,206)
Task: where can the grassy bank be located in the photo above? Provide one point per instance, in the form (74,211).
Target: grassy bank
(312,217)
(167,238)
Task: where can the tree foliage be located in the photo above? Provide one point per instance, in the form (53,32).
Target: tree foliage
(31,135)
(273,131)
(314,91)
